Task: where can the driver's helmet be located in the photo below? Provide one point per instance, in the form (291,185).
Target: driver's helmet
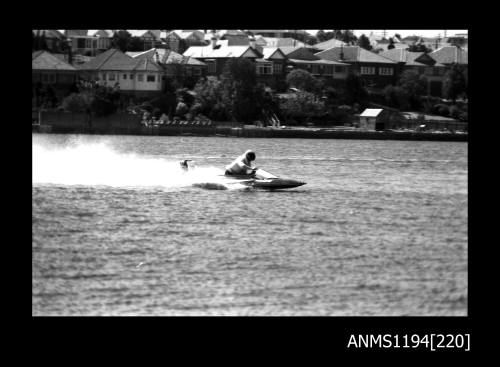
(250,155)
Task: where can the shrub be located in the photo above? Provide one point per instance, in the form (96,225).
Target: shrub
(77,102)
(302,79)
(455,112)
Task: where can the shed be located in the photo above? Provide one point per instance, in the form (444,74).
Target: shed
(373,119)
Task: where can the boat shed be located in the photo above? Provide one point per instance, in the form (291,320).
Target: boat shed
(373,119)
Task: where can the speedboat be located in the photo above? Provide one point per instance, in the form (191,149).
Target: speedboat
(261,179)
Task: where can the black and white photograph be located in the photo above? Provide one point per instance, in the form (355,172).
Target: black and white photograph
(247,172)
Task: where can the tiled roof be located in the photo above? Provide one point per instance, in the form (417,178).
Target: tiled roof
(353,54)
(146,64)
(165,56)
(112,59)
(221,52)
(329,44)
(320,62)
(100,32)
(43,60)
(269,51)
(450,55)
(402,55)
(302,53)
(142,32)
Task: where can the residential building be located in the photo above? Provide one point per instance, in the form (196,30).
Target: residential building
(54,39)
(180,40)
(150,37)
(174,64)
(374,70)
(271,68)
(49,71)
(113,68)
(89,42)
(423,64)
(219,52)
(304,58)
(298,34)
(450,55)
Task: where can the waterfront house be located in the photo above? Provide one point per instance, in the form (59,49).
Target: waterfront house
(423,64)
(304,58)
(49,72)
(374,70)
(373,119)
(174,64)
(113,68)
(450,55)
(271,67)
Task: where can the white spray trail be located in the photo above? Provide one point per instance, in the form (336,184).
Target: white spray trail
(97,164)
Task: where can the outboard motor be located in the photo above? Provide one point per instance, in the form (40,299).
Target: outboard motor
(186,164)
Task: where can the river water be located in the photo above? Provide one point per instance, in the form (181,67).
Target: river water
(119,229)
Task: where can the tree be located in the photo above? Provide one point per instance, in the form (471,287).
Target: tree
(301,107)
(413,85)
(302,79)
(353,91)
(121,40)
(320,35)
(348,37)
(454,83)
(364,42)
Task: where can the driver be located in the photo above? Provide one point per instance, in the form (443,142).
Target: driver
(242,165)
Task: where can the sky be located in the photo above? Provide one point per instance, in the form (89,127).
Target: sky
(406,32)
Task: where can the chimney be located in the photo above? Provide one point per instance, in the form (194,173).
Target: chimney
(252,41)
(214,42)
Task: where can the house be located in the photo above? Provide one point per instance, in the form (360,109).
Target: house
(54,39)
(47,71)
(180,40)
(271,67)
(149,37)
(374,70)
(373,119)
(89,42)
(450,55)
(423,64)
(278,42)
(304,58)
(133,76)
(173,63)
(219,52)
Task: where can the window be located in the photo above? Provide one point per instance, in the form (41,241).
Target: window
(211,67)
(45,78)
(368,70)
(278,68)
(264,68)
(340,69)
(140,77)
(315,69)
(124,76)
(112,77)
(428,71)
(104,76)
(102,43)
(88,43)
(151,78)
(196,71)
(188,71)
(131,76)
(52,78)
(80,42)
(328,70)
(385,71)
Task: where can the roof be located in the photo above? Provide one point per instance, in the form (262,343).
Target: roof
(403,55)
(319,62)
(100,32)
(165,56)
(142,32)
(302,53)
(353,54)
(270,51)
(146,64)
(223,51)
(329,44)
(43,60)
(371,112)
(112,59)
(49,33)
(450,55)
(298,31)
